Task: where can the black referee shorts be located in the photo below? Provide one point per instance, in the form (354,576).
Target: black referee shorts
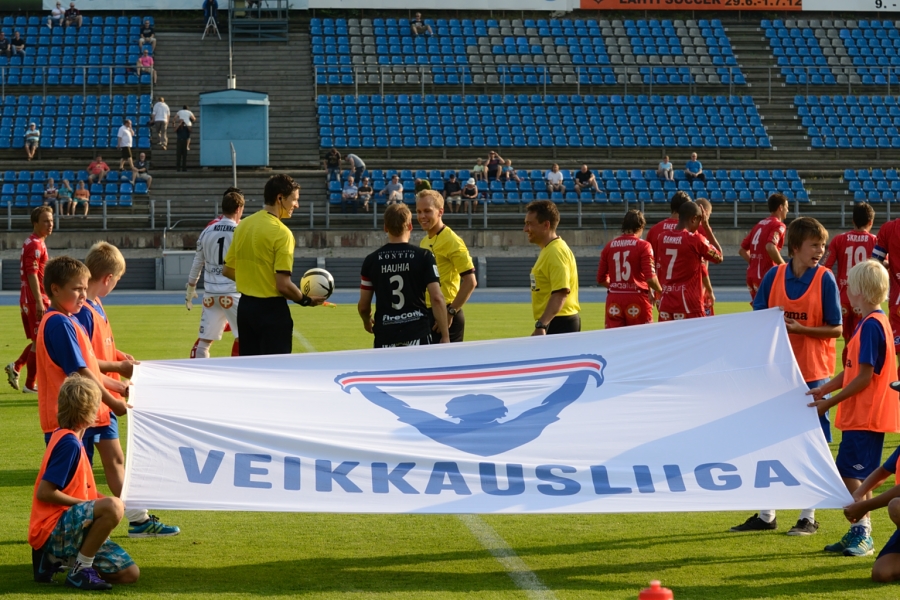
(569,324)
(265,325)
(457,328)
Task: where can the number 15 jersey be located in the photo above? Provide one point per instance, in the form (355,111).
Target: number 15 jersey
(399,275)
(212,247)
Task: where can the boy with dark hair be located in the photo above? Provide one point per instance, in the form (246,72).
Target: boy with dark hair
(627,269)
(107,265)
(866,407)
(681,256)
(678,199)
(554,276)
(762,246)
(808,294)
(845,251)
(69,520)
(398,274)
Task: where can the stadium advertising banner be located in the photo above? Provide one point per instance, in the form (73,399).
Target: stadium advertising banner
(701,415)
(768,5)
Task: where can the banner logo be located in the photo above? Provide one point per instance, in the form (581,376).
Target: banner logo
(480,422)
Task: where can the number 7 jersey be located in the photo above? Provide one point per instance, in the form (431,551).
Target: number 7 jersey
(212,247)
(681,256)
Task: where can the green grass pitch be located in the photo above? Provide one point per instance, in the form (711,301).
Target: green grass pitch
(244,555)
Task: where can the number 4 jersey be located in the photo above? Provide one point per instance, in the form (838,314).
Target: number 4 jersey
(212,247)
(768,231)
(399,275)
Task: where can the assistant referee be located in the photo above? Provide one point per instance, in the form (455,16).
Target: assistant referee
(260,260)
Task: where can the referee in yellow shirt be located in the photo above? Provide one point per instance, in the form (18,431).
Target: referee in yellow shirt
(260,260)
(554,276)
(455,266)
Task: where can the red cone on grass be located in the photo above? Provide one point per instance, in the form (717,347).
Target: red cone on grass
(656,592)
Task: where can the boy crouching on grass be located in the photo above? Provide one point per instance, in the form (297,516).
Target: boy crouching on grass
(70,522)
(866,406)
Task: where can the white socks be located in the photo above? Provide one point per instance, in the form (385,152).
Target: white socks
(866,522)
(810,514)
(203,349)
(136,515)
(767,515)
(82,562)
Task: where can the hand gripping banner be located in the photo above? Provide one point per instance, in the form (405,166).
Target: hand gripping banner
(703,415)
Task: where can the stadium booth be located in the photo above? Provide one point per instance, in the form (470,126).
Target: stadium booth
(237,117)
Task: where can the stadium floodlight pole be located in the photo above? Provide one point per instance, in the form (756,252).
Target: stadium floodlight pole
(233,165)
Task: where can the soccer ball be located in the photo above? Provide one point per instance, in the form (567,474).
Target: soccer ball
(317,282)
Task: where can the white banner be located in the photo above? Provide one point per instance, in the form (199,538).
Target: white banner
(699,415)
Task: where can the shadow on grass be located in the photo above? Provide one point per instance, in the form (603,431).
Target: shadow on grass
(18,477)
(4,403)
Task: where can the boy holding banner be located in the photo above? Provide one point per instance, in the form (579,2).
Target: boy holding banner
(867,408)
(808,294)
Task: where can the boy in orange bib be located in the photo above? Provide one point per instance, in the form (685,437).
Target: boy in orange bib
(867,408)
(70,521)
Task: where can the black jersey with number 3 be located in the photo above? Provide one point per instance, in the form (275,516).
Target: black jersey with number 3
(399,275)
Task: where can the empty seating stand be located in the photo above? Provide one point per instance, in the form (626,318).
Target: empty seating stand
(875,186)
(522,121)
(25,189)
(68,122)
(526,52)
(850,122)
(96,54)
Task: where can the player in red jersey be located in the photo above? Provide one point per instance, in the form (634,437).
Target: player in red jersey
(627,269)
(32,299)
(709,297)
(887,244)
(844,252)
(682,252)
(762,246)
(678,198)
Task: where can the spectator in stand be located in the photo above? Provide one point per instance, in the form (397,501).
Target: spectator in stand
(665,170)
(509,174)
(141,171)
(51,194)
(145,64)
(333,164)
(73,16)
(125,139)
(56,16)
(18,44)
(160,124)
(358,166)
(478,170)
(470,194)
(365,192)
(187,117)
(585,179)
(554,179)
(393,190)
(147,36)
(694,169)
(64,195)
(32,140)
(421,184)
(5,46)
(494,166)
(349,196)
(210,9)
(81,195)
(97,171)
(453,193)
(419,26)
(182,137)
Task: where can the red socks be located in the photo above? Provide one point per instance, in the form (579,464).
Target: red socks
(23,358)
(31,362)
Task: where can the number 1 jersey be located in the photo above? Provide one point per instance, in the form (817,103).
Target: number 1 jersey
(212,246)
(399,275)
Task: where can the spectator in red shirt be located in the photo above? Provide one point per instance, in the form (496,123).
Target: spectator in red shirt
(145,64)
(97,170)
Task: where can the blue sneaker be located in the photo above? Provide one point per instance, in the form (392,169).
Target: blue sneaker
(839,547)
(86,579)
(152,527)
(860,543)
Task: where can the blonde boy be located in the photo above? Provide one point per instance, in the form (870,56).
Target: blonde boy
(867,408)
(107,265)
(70,521)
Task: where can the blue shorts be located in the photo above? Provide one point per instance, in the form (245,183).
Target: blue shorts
(859,454)
(893,545)
(823,420)
(68,536)
(93,435)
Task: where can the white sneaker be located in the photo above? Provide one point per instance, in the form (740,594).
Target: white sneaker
(28,390)
(12,375)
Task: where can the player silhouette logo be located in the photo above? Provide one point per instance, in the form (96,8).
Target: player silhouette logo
(476,422)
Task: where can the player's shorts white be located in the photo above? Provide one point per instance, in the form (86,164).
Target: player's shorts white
(217,309)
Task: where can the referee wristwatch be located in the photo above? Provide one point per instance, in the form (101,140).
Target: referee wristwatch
(452,311)
(539,325)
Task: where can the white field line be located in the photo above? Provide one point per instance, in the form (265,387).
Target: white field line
(518,571)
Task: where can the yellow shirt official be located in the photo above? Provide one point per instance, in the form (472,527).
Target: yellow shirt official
(452,258)
(554,270)
(261,246)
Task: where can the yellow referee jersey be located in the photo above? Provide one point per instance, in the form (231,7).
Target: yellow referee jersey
(554,270)
(261,246)
(452,258)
